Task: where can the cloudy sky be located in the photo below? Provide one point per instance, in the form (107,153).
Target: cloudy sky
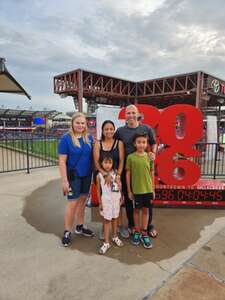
(130,39)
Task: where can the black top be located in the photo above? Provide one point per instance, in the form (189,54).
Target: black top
(126,135)
(114,152)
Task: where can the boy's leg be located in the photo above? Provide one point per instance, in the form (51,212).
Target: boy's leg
(145,239)
(136,231)
(145,218)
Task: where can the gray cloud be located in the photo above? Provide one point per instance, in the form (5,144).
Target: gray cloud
(42,39)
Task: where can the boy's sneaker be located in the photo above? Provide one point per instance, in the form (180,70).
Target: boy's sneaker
(104,248)
(66,239)
(80,229)
(145,239)
(124,233)
(135,238)
(117,241)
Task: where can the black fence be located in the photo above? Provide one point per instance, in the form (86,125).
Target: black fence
(211,160)
(32,152)
(28,153)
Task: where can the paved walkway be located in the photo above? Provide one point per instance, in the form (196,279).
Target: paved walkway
(187,259)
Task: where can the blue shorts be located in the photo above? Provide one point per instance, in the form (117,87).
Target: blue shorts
(80,186)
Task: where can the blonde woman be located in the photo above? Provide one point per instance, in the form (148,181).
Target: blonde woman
(75,166)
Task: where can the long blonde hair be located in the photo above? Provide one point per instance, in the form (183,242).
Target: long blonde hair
(72,132)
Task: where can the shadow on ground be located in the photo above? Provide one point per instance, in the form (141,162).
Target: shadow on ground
(178,228)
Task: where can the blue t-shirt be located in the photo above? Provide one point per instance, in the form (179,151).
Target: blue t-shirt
(78,158)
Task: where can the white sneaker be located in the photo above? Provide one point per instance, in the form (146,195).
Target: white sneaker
(104,248)
(117,241)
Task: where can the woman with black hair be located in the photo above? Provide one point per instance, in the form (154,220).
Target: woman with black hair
(109,145)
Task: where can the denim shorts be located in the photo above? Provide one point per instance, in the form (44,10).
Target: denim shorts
(80,186)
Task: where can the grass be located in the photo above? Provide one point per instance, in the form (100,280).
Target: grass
(47,148)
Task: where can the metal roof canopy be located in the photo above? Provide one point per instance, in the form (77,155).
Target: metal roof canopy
(8,83)
(28,113)
(193,88)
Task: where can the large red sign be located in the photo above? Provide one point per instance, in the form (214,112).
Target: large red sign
(170,169)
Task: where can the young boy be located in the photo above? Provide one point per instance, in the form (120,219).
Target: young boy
(139,178)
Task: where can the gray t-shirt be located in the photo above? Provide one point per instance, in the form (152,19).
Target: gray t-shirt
(126,135)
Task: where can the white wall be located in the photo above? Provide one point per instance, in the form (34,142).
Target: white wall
(106,112)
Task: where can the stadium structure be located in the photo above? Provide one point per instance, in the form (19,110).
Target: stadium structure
(200,89)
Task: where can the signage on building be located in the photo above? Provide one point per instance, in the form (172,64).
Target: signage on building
(218,87)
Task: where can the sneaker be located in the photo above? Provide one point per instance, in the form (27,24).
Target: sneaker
(104,248)
(80,229)
(135,238)
(66,239)
(146,241)
(117,241)
(124,233)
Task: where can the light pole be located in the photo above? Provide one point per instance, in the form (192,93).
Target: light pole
(220,102)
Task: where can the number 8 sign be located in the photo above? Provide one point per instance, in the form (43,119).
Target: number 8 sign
(170,169)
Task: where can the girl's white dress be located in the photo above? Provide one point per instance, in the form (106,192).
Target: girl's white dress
(110,199)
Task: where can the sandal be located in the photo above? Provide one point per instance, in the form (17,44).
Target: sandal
(117,241)
(104,248)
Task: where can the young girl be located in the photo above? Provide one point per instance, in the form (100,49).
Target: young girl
(109,197)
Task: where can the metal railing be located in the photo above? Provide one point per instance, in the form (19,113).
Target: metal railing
(28,153)
(18,154)
(211,160)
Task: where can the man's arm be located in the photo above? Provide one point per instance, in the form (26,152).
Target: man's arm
(152,143)
(98,187)
(128,181)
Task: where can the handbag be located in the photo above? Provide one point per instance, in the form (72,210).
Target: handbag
(71,174)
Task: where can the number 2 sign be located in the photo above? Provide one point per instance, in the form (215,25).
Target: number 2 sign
(171,170)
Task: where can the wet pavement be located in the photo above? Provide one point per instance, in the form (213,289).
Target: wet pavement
(189,251)
(178,228)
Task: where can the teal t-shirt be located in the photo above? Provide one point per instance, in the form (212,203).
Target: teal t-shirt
(140,167)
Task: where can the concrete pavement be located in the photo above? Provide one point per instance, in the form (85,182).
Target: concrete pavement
(188,253)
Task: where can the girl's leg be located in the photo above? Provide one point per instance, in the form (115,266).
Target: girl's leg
(105,247)
(79,215)
(69,214)
(80,211)
(114,227)
(115,238)
(145,217)
(106,230)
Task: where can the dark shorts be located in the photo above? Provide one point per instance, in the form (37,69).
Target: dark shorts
(143,200)
(80,186)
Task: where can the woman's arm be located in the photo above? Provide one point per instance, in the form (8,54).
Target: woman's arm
(63,173)
(96,155)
